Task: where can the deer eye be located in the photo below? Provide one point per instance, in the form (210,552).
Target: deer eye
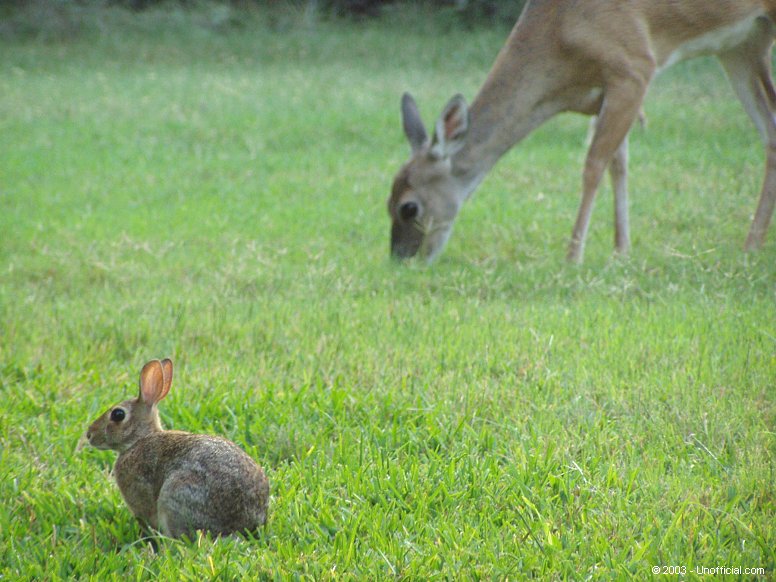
(408,210)
(117,415)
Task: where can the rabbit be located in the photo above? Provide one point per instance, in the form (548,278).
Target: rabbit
(177,482)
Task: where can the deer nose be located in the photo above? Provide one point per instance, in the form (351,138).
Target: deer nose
(406,240)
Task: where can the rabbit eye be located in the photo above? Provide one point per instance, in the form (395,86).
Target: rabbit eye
(117,415)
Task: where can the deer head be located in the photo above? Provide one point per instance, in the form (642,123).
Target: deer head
(428,191)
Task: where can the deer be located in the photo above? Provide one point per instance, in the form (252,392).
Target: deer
(597,58)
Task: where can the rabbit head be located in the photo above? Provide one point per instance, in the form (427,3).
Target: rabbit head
(125,423)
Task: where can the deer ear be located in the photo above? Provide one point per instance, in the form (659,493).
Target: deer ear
(413,124)
(451,128)
(152,383)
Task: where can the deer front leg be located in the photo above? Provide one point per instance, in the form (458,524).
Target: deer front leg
(621,106)
(618,171)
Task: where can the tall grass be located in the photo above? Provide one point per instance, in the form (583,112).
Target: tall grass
(169,189)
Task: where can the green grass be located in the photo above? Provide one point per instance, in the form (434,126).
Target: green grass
(171,190)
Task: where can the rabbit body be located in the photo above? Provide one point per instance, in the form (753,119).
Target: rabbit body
(178,482)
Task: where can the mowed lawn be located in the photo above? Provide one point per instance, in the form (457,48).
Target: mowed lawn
(174,189)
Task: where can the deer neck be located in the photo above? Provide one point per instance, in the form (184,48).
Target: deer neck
(522,91)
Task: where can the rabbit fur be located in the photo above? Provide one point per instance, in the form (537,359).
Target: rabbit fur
(173,481)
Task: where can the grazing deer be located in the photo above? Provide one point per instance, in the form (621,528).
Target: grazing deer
(595,57)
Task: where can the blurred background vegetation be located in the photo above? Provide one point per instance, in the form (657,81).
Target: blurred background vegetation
(60,19)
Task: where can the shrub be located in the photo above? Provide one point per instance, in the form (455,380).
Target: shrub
(58,19)
(45,19)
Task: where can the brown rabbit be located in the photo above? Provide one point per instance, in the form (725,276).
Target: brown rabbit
(177,482)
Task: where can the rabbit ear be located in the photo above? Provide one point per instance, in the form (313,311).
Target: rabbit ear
(152,383)
(167,373)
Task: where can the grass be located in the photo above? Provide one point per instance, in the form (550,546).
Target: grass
(170,189)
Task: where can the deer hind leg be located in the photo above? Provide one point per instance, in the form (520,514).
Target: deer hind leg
(749,70)
(621,105)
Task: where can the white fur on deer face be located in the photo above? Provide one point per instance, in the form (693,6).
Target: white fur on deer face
(426,193)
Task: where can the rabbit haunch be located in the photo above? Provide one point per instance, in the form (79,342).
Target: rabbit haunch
(177,482)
